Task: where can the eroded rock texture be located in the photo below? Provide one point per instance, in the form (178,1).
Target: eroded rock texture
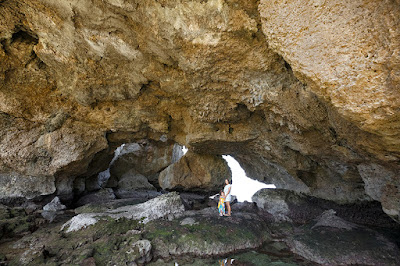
(194,172)
(304,95)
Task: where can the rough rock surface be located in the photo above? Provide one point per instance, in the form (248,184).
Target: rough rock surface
(168,205)
(132,180)
(204,233)
(201,234)
(97,197)
(301,94)
(54,205)
(285,205)
(145,159)
(195,172)
(105,243)
(331,240)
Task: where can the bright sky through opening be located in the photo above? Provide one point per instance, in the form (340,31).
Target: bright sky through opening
(243,187)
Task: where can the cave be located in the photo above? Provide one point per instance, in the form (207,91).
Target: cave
(97,99)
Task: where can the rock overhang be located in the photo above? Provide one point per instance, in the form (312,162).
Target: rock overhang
(220,77)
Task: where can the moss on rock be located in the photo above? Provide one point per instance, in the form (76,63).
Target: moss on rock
(210,235)
(108,242)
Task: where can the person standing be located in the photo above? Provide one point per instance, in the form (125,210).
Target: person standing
(228,196)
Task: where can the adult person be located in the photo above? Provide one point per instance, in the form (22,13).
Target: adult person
(228,196)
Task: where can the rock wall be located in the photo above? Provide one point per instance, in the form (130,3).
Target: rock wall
(303,95)
(194,172)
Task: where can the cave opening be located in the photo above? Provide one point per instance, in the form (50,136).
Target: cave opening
(243,187)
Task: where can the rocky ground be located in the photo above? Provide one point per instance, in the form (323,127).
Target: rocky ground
(161,231)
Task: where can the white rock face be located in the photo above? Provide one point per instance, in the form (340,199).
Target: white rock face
(54,205)
(167,205)
(80,221)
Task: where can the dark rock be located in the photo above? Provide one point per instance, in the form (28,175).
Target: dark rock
(102,195)
(143,195)
(301,208)
(194,201)
(330,240)
(204,233)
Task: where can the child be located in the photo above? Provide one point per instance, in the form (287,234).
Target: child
(221,204)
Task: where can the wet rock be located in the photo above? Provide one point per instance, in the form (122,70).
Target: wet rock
(168,205)
(196,172)
(204,233)
(332,241)
(329,219)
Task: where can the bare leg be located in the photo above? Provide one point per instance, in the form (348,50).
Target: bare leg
(228,206)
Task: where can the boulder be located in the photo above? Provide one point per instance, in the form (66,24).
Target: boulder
(54,205)
(168,205)
(53,208)
(132,180)
(196,172)
(278,202)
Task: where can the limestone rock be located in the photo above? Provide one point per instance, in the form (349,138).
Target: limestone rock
(168,205)
(196,172)
(299,93)
(382,185)
(327,46)
(132,180)
(142,159)
(54,205)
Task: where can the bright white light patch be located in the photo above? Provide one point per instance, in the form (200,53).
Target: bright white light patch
(243,187)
